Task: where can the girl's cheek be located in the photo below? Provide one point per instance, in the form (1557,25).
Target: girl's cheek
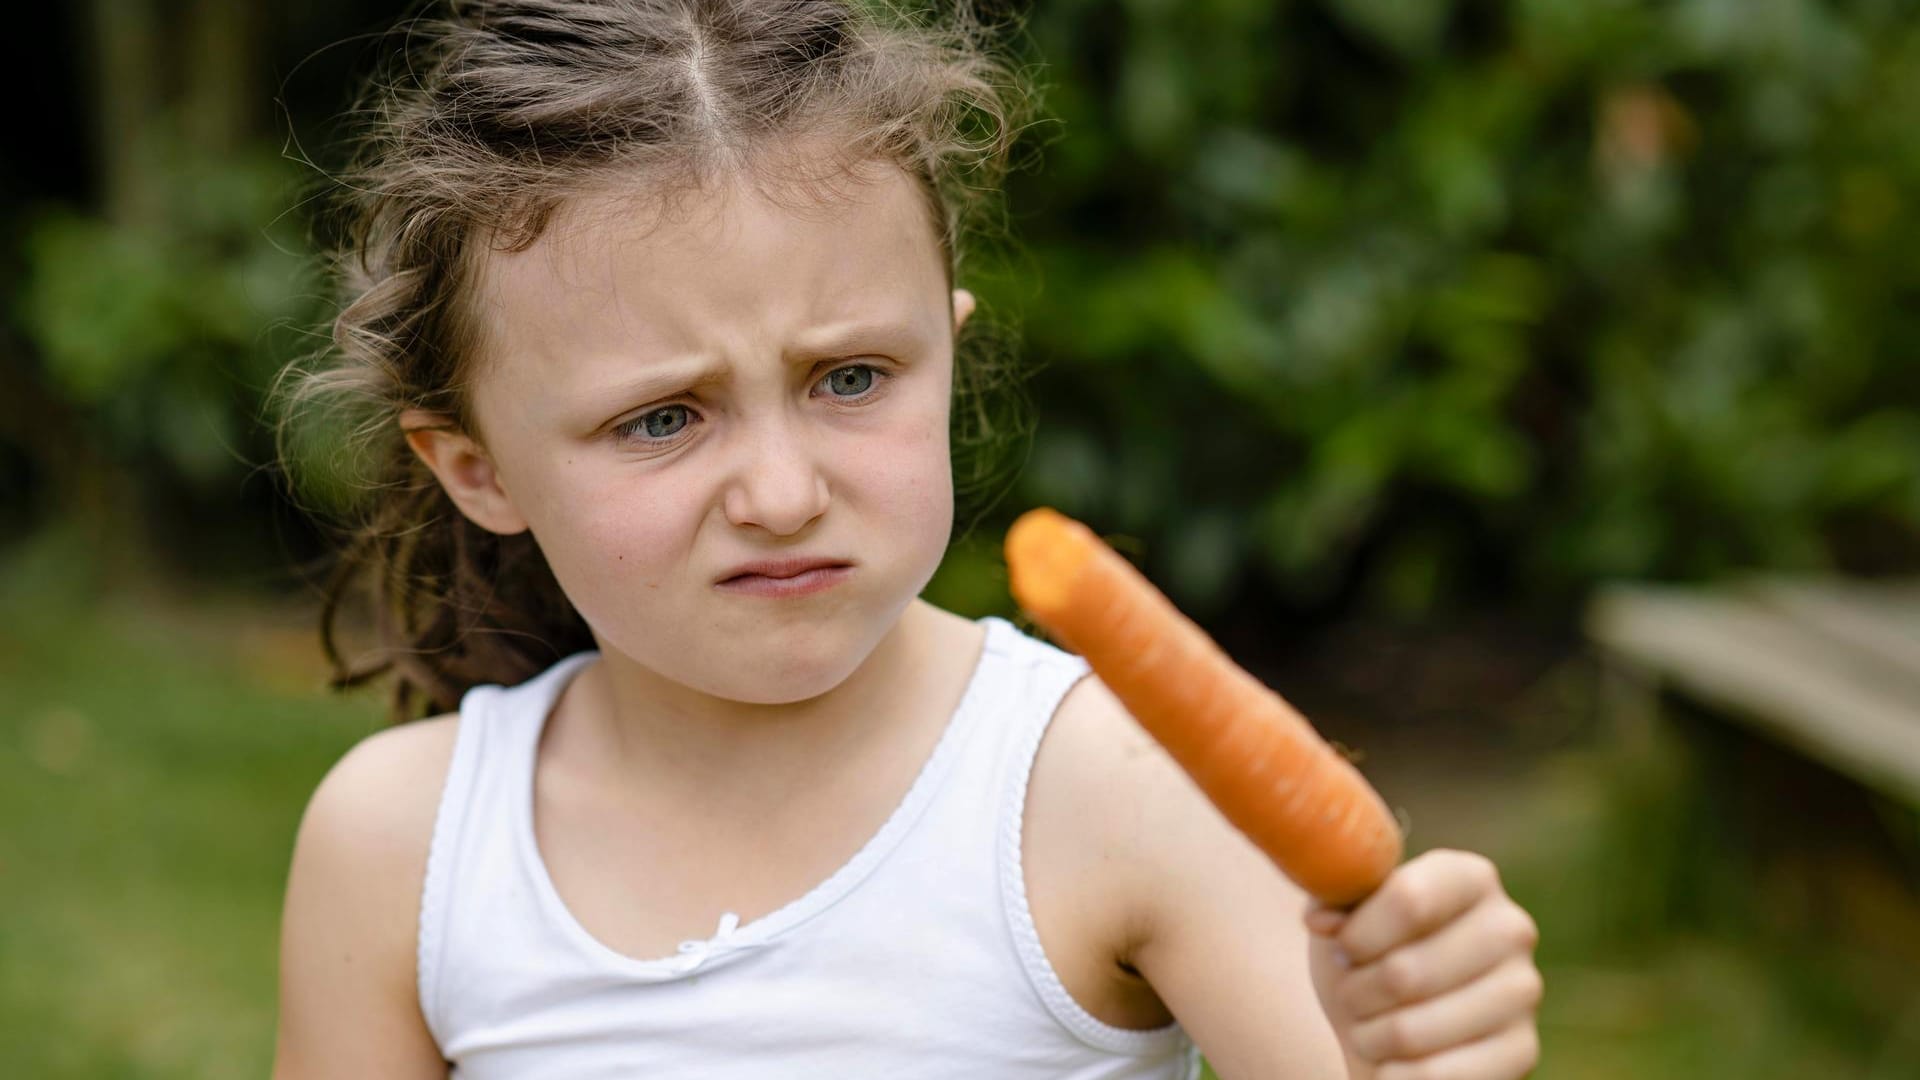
(919,487)
(633,526)
(910,467)
(598,534)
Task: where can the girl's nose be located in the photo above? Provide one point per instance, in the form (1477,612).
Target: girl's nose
(775,485)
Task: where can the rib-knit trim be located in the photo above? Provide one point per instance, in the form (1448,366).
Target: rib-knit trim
(738,939)
(1057,675)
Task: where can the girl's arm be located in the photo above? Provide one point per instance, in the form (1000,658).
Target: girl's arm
(348,1004)
(1223,935)
(1216,930)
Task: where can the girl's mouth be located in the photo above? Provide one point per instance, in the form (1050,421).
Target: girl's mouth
(804,583)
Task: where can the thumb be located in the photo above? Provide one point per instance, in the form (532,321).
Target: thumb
(1324,920)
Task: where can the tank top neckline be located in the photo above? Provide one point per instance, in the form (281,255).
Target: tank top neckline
(731,937)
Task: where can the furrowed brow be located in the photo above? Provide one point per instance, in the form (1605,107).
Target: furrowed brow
(848,339)
(664,379)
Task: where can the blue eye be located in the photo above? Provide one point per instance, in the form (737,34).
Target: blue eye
(850,381)
(661,423)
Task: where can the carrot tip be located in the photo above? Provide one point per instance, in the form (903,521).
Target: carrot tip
(1041,569)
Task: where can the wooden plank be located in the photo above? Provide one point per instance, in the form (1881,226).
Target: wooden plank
(1807,687)
(1881,621)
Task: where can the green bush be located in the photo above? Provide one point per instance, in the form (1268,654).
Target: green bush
(1361,301)
(1452,301)
(161,337)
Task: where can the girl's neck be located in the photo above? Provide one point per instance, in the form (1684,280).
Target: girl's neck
(626,727)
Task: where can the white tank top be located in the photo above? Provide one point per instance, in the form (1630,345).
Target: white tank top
(916,959)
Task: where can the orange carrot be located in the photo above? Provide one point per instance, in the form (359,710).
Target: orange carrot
(1253,755)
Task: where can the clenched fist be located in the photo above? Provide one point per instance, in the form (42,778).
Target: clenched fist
(1433,975)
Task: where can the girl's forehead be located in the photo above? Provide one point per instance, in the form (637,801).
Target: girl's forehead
(621,265)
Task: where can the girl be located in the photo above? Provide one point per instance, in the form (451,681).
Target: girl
(652,316)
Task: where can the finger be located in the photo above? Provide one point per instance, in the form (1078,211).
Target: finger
(1489,1004)
(1423,895)
(1510,1055)
(1456,954)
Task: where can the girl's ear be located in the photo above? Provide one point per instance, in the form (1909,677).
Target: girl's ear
(962,307)
(464,469)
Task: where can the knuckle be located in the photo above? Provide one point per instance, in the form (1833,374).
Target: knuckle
(1415,901)
(1485,872)
(1399,977)
(1398,1036)
(1526,929)
(1530,985)
(1529,1047)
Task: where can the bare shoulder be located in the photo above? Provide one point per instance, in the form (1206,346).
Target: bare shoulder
(1080,835)
(1212,930)
(373,812)
(348,1006)
(385,791)
(1120,808)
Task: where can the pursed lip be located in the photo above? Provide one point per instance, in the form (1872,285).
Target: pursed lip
(780,568)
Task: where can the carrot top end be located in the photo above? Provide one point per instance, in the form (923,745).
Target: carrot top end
(1045,553)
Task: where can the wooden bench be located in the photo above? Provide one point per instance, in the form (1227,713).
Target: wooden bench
(1829,668)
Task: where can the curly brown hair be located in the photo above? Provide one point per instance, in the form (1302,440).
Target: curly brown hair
(494,114)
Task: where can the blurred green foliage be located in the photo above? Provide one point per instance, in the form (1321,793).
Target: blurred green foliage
(1674,946)
(158,337)
(1344,303)
(1414,303)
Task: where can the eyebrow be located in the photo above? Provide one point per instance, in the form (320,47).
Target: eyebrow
(666,377)
(852,338)
(822,343)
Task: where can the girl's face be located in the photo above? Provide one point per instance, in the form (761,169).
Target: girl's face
(666,399)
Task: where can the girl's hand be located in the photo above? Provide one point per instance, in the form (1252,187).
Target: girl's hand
(1433,975)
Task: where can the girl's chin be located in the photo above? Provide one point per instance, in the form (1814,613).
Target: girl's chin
(796,685)
(782,667)
(803,676)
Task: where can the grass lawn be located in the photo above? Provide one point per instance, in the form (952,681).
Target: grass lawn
(152,773)
(154,759)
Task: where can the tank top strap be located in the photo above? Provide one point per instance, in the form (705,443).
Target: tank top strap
(496,734)
(1031,678)
(1050,674)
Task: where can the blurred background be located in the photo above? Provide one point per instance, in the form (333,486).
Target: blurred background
(1525,388)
